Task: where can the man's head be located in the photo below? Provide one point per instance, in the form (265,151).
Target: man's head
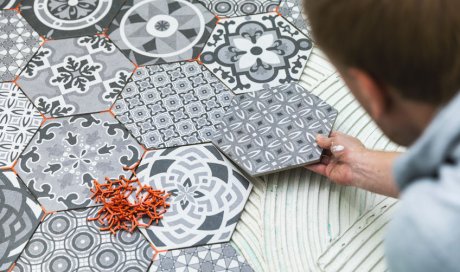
(401,59)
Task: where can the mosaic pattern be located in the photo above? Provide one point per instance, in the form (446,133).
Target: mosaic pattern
(208,195)
(76,76)
(19,120)
(67,241)
(8,4)
(292,10)
(220,257)
(68,153)
(20,215)
(274,130)
(233,8)
(59,19)
(172,104)
(162,31)
(18,43)
(256,52)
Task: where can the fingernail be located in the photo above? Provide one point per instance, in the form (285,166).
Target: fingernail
(337,148)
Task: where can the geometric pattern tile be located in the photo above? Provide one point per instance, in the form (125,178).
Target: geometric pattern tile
(67,241)
(60,19)
(18,43)
(20,214)
(68,153)
(9,4)
(76,76)
(157,32)
(292,10)
(274,130)
(172,104)
(233,8)
(19,120)
(208,194)
(256,52)
(219,257)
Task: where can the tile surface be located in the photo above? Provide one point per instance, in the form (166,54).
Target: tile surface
(292,10)
(67,241)
(274,130)
(9,4)
(18,43)
(20,214)
(233,8)
(162,31)
(219,257)
(68,153)
(19,121)
(172,104)
(208,195)
(59,19)
(256,52)
(76,76)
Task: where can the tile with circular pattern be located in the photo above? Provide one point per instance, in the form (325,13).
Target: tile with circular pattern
(234,8)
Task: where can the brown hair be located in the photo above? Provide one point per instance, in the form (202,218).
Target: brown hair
(411,45)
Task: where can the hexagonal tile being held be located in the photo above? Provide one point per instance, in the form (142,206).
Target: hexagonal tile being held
(68,153)
(274,130)
(208,194)
(76,76)
(256,52)
(18,43)
(172,104)
(233,8)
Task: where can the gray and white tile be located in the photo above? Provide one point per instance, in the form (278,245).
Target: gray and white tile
(234,8)
(292,10)
(9,4)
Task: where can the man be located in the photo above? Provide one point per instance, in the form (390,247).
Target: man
(401,60)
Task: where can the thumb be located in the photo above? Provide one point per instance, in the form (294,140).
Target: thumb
(323,141)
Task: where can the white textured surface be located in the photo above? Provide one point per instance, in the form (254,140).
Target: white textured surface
(292,217)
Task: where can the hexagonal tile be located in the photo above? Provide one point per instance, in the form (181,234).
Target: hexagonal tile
(172,104)
(233,8)
(67,241)
(57,19)
(19,120)
(208,194)
(9,4)
(292,10)
(219,257)
(68,153)
(20,214)
(162,31)
(274,130)
(256,52)
(76,76)
(18,43)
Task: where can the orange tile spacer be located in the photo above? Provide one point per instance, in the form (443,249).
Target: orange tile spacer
(218,19)
(12,267)
(45,213)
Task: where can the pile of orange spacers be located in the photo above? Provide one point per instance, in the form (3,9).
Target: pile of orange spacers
(127,203)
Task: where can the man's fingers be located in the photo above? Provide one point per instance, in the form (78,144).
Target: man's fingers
(317,168)
(323,141)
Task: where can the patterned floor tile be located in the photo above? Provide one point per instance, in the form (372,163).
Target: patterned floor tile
(19,121)
(67,241)
(76,76)
(59,19)
(20,215)
(274,130)
(9,4)
(68,153)
(18,43)
(292,10)
(233,8)
(213,258)
(256,52)
(162,31)
(208,195)
(172,104)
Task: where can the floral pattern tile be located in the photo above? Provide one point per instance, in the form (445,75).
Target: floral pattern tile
(20,215)
(9,4)
(67,241)
(18,43)
(274,130)
(19,121)
(76,76)
(208,194)
(292,10)
(173,104)
(212,258)
(68,153)
(256,52)
(157,32)
(58,19)
(233,8)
